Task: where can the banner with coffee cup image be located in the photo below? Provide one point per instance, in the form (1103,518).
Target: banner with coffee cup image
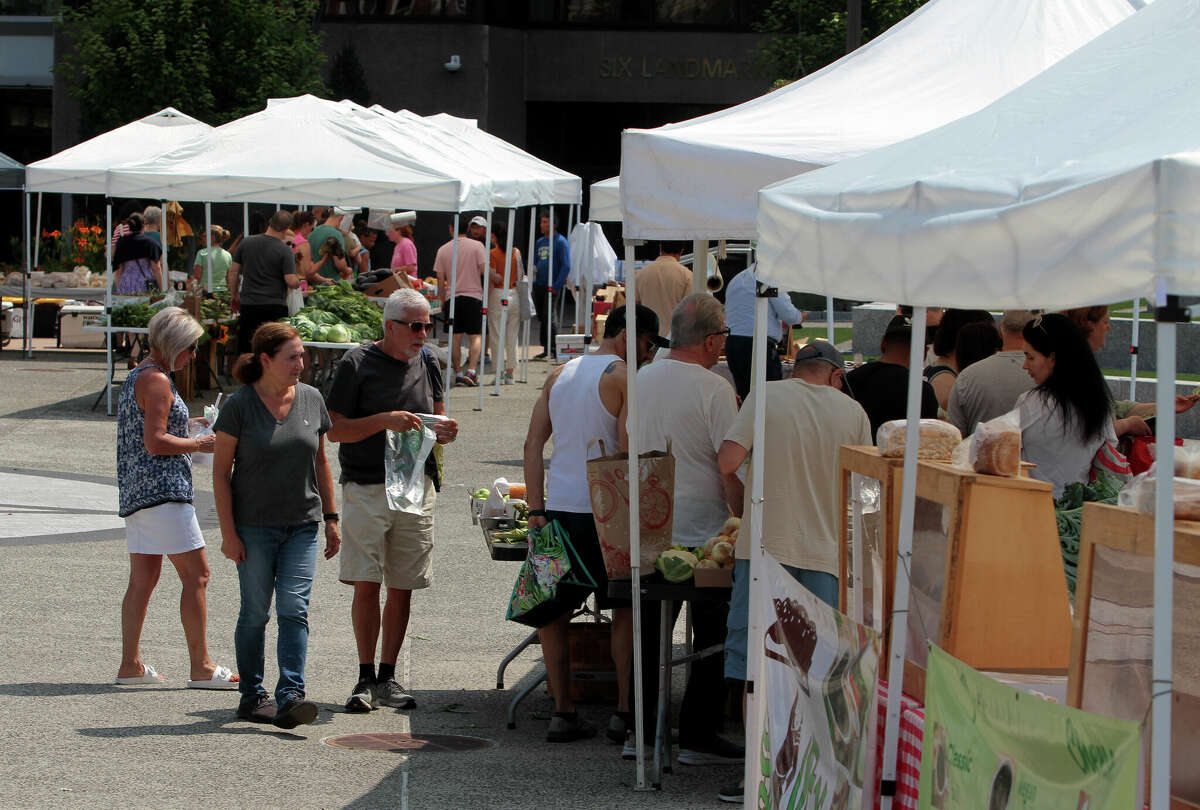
(818,690)
(992,747)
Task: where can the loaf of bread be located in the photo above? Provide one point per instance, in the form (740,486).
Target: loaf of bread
(937,442)
(997,452)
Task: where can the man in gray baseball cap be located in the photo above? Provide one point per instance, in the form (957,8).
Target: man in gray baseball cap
(808,419)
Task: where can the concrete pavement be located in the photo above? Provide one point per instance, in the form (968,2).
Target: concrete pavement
(74,740)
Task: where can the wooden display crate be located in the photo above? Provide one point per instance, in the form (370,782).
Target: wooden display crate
(1129,532)
(1004,592)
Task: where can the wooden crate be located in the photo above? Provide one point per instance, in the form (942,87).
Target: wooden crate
(1126,530)
(593,674)
(1004,602)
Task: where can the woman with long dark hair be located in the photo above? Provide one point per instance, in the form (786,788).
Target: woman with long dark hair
(944,370)
(1067,417)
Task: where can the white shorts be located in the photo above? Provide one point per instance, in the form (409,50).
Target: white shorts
(169,528)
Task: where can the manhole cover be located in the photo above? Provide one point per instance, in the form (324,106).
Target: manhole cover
(407,743)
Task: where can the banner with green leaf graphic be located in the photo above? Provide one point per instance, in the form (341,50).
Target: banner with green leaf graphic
(991,747)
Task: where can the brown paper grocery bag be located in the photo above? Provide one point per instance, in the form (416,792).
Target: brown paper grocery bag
(608,487)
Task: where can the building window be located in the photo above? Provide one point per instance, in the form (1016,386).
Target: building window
(725,14)
(402,9)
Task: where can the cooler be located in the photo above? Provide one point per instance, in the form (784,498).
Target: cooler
(568,347)
(71,320)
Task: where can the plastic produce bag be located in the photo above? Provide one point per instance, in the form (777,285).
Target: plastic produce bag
(203,426)
(295,301)
(995,447)
(495,504)
(404,468)
(937,442)
(1139,494)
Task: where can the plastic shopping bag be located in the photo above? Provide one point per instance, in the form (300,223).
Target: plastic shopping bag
(203,426)
(295,301)
(404,468)
(538,597)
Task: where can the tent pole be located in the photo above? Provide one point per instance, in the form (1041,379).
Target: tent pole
(27,339)
(589,240)
(487,291)
(208,241)
(1168,314)
(551,355)
(908,508)
(1133,349)
(700,265)
(27,304)
(829,318)
(635,523)
(501,366)
(37,233)
(245,220)
(162,233)
(447,383)
(755,705)
(530,261)
(108,302)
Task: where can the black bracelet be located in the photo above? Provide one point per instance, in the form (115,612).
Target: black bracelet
(537,513)
(330,517)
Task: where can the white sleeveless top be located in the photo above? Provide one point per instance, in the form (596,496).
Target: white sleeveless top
(578,416)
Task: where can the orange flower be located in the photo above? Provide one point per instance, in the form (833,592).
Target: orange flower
(95,229)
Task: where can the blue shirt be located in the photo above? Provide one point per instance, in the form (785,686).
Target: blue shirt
(739,308)
(562,261)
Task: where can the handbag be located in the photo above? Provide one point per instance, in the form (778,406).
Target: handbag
(1109,459)
(541,593)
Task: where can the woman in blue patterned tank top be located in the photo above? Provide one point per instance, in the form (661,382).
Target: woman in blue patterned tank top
(154,479)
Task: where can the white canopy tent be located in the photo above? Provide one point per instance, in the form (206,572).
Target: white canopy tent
(1081,186)
(605,204)
(699,179)
(12,174)
(83,169)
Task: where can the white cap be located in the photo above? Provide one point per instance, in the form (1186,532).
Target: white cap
(480,221)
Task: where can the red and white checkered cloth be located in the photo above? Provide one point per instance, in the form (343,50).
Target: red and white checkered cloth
(912,734)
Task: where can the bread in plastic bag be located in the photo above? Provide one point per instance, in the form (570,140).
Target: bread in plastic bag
(1139,494)
(937,442)
(996,445)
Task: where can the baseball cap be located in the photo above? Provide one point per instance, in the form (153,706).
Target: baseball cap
(821,350)
(647,324)
(480,221)
(899,326)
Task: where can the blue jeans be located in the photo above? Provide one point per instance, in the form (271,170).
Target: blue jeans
(282,559)
(823,586)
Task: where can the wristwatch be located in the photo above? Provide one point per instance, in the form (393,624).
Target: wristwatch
(537,513)
(330,517)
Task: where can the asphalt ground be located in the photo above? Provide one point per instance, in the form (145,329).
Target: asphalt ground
(72,739)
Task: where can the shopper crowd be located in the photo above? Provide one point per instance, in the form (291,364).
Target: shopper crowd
(274,488)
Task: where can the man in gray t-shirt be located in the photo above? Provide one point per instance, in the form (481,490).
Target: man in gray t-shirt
(262,272)
(990,388)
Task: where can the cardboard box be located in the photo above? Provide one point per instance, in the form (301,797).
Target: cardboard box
(714,577)
(568,347)
(383,288)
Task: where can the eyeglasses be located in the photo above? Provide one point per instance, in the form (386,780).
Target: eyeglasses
(416,326)
(290,244)
(723,333)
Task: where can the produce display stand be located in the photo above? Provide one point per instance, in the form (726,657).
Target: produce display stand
(321,368)
(141,335)
(667,595)
(1003,596)
(1112,606)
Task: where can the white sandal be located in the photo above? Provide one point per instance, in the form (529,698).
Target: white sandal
(149,675)
(222,678)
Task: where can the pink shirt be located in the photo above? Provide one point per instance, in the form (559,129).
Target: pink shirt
(472,264)
(404,254)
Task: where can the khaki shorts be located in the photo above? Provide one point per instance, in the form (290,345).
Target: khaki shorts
(379,545)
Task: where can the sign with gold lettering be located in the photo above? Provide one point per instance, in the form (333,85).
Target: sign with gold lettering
(992,747)
(652,67)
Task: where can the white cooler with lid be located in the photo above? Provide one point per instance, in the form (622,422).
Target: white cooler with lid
(71,320)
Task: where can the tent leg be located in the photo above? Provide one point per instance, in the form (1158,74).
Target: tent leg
(501,365)
(487,291)
(755,705)
(1164,557)
(162,233)
(108,336)
(829,318)
(635,525)
(208,284)
(447,383)
(908,506)
(1133,349)
(700,265)
(27,303)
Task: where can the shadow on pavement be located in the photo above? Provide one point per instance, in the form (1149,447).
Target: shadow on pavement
(41,689)
(213,721)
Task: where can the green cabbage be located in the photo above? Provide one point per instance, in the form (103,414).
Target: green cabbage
(675,565)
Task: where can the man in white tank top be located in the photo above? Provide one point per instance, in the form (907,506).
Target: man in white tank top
(587,399)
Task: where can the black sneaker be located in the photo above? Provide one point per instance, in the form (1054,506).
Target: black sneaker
(732,794)
(616,730)
(541,356)
(717,751)
(295,712)
(568,728)
(256,708)
(362,699)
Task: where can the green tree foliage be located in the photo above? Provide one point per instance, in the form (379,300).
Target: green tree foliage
(215,60)
(806,35)
(347,79)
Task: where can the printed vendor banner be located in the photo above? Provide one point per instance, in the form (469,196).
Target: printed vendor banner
(991,747)
(818,690)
